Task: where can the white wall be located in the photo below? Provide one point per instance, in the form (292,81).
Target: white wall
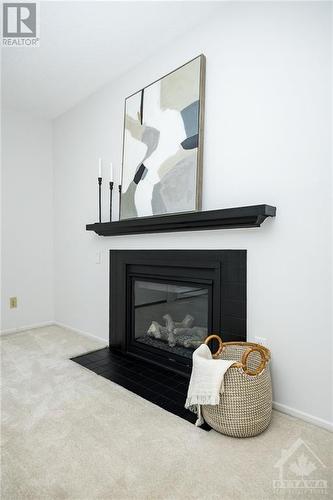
(267,140)
(27,221)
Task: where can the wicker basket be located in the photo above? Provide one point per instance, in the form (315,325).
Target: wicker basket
(245,407)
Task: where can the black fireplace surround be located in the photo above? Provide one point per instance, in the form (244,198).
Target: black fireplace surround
(163,303)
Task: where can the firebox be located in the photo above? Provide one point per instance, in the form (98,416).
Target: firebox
(164,303)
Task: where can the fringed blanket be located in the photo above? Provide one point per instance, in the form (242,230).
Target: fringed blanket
(206,381)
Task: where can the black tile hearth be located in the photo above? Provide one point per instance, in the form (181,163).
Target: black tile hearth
(159,386)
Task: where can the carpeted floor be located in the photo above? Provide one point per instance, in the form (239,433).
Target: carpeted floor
(70,434)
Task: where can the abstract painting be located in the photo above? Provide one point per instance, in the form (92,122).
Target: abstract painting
(162,145)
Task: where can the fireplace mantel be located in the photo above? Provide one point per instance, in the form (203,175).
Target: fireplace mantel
(226,218)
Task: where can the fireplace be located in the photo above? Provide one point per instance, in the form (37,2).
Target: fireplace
(163,303)
(170,315)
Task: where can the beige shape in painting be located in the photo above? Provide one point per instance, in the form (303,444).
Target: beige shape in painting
(134,127)
(170,162)
(180,88)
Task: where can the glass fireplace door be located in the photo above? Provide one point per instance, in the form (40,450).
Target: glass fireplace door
(170,316)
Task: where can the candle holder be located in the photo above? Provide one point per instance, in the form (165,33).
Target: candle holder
(111,189)
(100,198)
(119,188)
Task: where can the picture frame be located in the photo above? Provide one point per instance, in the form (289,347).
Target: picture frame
(163,144)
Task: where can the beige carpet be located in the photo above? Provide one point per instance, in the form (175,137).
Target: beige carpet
(70,434)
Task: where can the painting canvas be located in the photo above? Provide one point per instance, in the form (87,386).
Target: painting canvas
(162,148)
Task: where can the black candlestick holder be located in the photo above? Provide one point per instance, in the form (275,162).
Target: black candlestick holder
(119,188)
(100,198)
(111,189)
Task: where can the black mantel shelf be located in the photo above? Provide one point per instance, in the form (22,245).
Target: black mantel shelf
(225,218)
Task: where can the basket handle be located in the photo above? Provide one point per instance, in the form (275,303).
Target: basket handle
(246,354)
(245,358)
(220,348)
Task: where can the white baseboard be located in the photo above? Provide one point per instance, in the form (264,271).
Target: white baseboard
(11,331)
(81,332)
(319,422)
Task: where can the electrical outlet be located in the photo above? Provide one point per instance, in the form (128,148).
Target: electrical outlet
(12,302)
(261,341)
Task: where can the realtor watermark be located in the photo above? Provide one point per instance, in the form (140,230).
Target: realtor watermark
(300,472)
(20,24)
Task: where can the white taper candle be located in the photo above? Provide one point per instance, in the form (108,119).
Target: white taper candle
(111,172)
(100,167)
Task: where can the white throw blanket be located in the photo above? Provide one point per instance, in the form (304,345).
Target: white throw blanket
(206,381)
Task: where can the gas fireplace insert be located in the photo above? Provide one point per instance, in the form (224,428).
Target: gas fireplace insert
(163,303)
